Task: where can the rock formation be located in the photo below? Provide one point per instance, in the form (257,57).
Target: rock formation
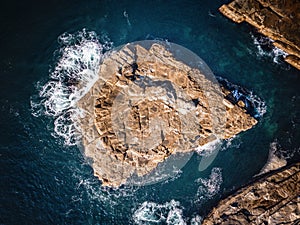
(276,19)
(274,162)
(147,105)
(273,199)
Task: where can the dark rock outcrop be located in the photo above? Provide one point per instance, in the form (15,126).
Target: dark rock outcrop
(272,199)
(276,19)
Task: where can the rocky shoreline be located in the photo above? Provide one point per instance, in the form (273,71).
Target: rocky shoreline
(277,19)
(272,199)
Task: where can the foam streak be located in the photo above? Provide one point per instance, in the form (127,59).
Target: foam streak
(75,72)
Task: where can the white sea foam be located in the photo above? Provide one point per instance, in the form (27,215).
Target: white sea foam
(153,213)
(233,142)
(285,153)
(209,187)
(125,14)
(90,187)
(260,105)
(196,220)
(170,213)
(209,148)
(75,72)
(265,48)
(208,152)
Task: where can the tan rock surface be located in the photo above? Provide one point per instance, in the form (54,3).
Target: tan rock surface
(145,106)
(273,199)
(276,19)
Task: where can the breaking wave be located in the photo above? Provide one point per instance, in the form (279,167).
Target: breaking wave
(265,47)
(209,148)
(152,213)
(108,196)
(76,70)
(254,105)
(196,220)
(170,213)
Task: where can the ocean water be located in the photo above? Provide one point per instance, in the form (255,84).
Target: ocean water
(44,177)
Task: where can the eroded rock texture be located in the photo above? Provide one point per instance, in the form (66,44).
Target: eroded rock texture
(145,106)
(276,19)
(270,200)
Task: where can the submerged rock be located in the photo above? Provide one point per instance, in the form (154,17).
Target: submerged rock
(276,19)
(272,199)
(147,105)
(274,161)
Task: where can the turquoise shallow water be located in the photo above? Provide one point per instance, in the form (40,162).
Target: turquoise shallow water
(44,181)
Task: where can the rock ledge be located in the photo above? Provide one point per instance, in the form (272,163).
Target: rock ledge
(272,199)
(276,19)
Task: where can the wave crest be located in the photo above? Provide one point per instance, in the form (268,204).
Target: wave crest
(265,47)
(153,213)
(75,72)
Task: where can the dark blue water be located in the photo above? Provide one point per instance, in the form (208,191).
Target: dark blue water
(44,181)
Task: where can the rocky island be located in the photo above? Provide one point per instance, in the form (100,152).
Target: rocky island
(147,104)
(277,19)
(272,199)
